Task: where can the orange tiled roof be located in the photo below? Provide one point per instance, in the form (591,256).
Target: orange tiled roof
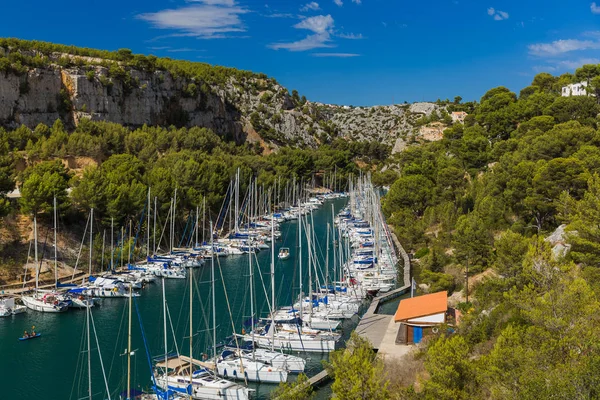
(422,306)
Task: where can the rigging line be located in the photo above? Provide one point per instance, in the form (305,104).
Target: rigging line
(100,355)
(26,263)
(183,301)
(172,330)
(164,227)
(78,366)
(260,274)
(117,341)
(203,311)
(237,345)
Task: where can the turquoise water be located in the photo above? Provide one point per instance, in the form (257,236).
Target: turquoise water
(54,367)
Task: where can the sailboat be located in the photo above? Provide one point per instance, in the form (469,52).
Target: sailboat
(44,301)
(291,336)
(90,326)
(243,364)
(187,376)
(8,307)
(78,300)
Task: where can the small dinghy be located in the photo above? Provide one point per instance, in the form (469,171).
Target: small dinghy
(284,253)
(37,335)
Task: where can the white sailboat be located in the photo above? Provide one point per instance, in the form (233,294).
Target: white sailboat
(187,376)
(47,301)
(292,337)
(243,365)
(8,307)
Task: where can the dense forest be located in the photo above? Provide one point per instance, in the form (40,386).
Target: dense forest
(120,164)
(484,198)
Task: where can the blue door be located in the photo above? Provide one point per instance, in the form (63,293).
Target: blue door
(417,334)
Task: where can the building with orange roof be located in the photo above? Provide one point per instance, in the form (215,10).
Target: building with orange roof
(420,316)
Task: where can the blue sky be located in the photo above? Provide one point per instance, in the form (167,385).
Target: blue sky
(359,52)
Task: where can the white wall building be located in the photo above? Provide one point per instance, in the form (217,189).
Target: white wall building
(575,89)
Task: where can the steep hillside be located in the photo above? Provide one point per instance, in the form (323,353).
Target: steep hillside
(41,82)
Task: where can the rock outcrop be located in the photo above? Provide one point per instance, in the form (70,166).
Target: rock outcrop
(236,109)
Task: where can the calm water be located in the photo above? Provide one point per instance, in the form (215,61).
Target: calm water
(54,367)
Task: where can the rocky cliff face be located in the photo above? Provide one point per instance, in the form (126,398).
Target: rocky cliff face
(253,110)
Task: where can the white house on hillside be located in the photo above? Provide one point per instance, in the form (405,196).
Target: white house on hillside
(575,89)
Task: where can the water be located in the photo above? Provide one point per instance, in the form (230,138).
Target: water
(54,367)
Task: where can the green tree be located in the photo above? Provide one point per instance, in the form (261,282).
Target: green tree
(298,390)
(473,240)
(511,248)
(450,370)
(41,183)
(357,372)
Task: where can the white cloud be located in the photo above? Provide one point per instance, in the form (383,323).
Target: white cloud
(566,65)
(559,47)
(356,1)
(350,36)
(340,55)
(338,3)
(322,28)
(184,50)
(497,14)
(209,19)
(317,24)
(595,8)
(319,40)
(574,64)
(501,15)
(281,15)
(311,6)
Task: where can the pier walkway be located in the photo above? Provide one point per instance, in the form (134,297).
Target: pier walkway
(373,326)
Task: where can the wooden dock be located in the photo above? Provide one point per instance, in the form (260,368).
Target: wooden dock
(373,326)
(319,378)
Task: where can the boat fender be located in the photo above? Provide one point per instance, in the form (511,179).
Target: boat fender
(269,369)
(243,331)
(55,302)
(434,329)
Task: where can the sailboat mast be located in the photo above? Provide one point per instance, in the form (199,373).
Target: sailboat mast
(112,243)
(89,349)
(251,299)
(91,239)
(55,249)
(164,300)
(129,347)
(203,217)
(148,225)
(173,221)
(197,212)
(272,282)
(309,244)
(237,199)
(300,257)
(191,323)
(212,278)
(154,228)
(334,267)
(327,260)
(35,242)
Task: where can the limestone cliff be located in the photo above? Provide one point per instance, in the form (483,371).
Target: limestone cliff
(249,109)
